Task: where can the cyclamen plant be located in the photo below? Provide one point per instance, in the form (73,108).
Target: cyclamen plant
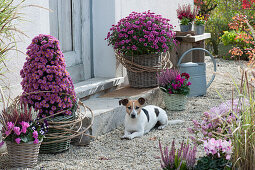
(218,154)
(172,82)
(47,85)
(218,148)
(141,33)
(24,132)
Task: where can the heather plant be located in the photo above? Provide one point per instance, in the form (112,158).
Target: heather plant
(141,33)
(172,82)
(183,158)
(186,12)
(47,85)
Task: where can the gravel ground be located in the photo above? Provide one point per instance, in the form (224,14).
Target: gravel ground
(110,152)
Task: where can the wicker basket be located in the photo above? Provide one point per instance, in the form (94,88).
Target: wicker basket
(146,78)
(175,101)
(23,154)
(58,146)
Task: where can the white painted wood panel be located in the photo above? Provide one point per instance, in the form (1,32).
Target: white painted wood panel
(70,23)
(65,25)
(86,38)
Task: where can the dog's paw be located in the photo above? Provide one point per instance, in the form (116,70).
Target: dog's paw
(126,137)
(161,127)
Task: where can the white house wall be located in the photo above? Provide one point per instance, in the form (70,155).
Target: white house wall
(35,21)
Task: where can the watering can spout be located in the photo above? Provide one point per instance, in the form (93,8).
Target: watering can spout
(197,72)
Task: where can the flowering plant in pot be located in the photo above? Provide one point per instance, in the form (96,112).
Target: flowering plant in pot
(183,158)
(199,24)
(139,39)
(218,154)
(175,87)
(48,87)
(186,14)
(23,134)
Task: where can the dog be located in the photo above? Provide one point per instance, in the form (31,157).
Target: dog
(140,120)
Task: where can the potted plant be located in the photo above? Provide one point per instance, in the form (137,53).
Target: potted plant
(23,134)
(199,25)
(186,14)
(218,154)
(183,158)
(48,87)
(175,87)
(139,40)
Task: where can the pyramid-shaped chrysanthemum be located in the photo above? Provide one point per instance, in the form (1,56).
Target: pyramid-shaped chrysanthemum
(46,83)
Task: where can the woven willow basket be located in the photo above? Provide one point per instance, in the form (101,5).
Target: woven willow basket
(58,146)
(146,78)
(23,154)
(175,101)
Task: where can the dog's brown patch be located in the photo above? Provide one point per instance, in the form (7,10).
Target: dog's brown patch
(133,104)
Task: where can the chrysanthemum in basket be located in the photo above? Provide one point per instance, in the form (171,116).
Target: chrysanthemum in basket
(139,40)
(175,87)
(47,85)
(142,33)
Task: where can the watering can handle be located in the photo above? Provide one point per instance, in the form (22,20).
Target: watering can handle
(212,58)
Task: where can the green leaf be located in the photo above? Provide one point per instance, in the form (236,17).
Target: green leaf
(24,139)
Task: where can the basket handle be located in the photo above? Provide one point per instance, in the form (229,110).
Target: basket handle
(212,58)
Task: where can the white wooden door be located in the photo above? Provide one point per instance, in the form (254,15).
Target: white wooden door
(70,23)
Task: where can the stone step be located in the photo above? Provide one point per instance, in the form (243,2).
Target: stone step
(96,87)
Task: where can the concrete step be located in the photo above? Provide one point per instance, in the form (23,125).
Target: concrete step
(96,87)
(109,115)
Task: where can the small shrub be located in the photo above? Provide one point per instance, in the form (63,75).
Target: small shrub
(183,158)
(208,162)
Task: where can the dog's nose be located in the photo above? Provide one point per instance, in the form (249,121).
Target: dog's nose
(133,116)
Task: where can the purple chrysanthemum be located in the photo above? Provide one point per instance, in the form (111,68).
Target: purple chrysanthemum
(45,70)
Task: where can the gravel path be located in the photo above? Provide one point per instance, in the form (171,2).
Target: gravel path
(110,152)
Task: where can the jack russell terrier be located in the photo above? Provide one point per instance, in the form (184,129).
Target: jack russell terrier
(140,120)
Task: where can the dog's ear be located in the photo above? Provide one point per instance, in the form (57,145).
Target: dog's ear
(124,102)
(141,100)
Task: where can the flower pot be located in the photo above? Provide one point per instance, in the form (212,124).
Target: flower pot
(142,70)
(23,154)
(186,28)
(175,101)
(199,29)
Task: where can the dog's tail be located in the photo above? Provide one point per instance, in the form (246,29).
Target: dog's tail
(173,122)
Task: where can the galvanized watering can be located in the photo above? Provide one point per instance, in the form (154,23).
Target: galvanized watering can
(197,72)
